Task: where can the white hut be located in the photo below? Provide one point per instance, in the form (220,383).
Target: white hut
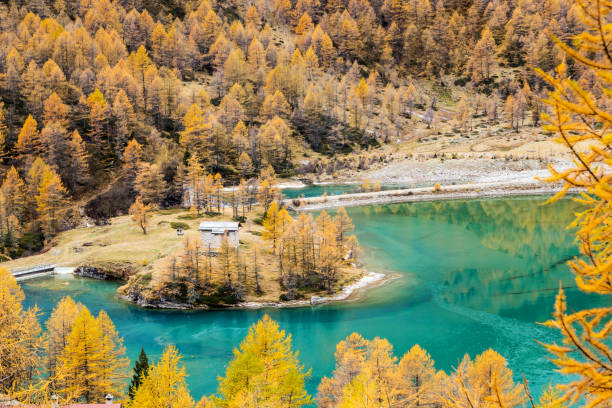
(214,231)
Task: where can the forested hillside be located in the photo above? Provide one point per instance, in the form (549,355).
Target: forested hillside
(108,104)
(103,101)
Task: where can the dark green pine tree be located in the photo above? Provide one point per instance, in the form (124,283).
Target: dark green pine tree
(140,370)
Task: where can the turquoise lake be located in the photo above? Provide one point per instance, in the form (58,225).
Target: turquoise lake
(316,190)
(473,275)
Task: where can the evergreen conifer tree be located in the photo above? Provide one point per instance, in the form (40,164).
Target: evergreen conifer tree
(141,366)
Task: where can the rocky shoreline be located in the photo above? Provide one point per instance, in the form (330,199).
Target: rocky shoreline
(348,292)
(140,301)
(109,271)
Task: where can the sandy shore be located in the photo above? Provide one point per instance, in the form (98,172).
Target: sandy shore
(349,292)
(473,177)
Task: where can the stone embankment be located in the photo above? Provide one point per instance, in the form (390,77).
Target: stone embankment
(448,192)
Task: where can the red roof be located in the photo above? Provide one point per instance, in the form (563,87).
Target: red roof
(66,406)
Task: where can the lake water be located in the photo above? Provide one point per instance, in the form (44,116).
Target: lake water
(474,274)
(316,190)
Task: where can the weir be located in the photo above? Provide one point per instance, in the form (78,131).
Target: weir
(32,272)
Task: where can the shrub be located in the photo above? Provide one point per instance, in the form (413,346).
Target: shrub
(176,225)
(145,278)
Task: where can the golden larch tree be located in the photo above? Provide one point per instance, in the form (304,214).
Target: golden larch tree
(164,384)
(20,341)
(581,119)
(193,136)
(264,372)
(227,261)
(59,326)
(92,364)
(343,223)
(28,141)
(272,226)
(78,162)
(417,376)
(52,203)
(141,214)
(132,154)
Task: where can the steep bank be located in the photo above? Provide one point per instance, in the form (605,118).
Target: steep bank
(115,271)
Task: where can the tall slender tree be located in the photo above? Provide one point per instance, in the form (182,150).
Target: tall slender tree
(141,369)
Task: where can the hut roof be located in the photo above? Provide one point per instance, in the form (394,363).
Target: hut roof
(218,227)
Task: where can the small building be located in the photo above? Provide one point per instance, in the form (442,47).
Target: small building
(214,231)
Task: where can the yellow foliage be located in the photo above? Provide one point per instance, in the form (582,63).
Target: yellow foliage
(20,344)
(59,326)
(366,186)
(51,200)
(265,372)
(28,140)
(141,214)
(582,116)
(164,385)
(92,364)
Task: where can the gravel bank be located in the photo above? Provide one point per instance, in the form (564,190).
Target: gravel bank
(460,171)
(459,178)
(461,191)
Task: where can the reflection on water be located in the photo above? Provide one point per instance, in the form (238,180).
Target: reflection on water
(493,255)
(316,190)
(475,274)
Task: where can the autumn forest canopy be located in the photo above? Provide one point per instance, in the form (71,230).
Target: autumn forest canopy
(127,106)
(103,101)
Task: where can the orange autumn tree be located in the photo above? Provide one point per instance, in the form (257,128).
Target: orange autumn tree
(51,200)
(20,342)
(92,363)
(582,120)
(141,214)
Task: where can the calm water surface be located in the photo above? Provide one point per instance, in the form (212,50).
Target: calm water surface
(474,274)
(316,190)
